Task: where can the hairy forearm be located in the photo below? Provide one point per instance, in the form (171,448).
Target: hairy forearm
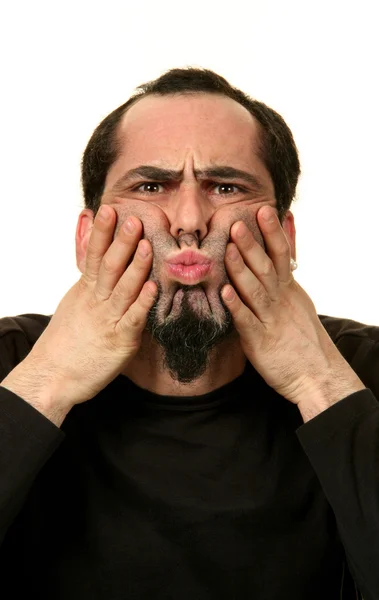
(38,389)
(327,390)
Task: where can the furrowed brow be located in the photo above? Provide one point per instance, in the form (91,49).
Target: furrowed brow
(226,172)
(147,172)
(159,174)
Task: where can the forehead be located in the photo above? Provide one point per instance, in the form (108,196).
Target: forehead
(213,128)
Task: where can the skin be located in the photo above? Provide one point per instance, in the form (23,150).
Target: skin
(186,133)
(275,323)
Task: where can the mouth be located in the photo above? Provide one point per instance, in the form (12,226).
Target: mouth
(189,273)
(189,267)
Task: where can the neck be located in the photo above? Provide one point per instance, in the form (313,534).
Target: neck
(226,362)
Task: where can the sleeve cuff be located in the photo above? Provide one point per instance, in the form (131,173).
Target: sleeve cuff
(337,418)
(26,421)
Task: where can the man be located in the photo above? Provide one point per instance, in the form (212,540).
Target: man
(185,426)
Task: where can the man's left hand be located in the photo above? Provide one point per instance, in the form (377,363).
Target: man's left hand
(280,331)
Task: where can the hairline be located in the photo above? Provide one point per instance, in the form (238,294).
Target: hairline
(117,142)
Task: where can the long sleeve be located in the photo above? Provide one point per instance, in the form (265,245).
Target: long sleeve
(27,440)
(342,445)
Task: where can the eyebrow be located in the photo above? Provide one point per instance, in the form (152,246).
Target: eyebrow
(160,174)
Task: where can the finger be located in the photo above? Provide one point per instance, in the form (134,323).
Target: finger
(277,245)
(245,321)
(249,288)
(116,258)
(255,257)
(134,320)
(131,282)
(99,241)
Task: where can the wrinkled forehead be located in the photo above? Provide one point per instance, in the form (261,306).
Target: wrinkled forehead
(202,128)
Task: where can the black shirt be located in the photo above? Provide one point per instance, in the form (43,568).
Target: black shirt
(224,496)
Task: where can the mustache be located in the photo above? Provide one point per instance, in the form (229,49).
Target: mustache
(215,241)
(188,239)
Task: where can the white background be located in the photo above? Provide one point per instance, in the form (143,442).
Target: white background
(65,66)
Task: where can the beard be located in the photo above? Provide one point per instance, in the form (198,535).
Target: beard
(188,338)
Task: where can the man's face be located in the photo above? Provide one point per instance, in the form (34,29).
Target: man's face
(188,219)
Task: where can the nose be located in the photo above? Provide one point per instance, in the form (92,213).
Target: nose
(189,213)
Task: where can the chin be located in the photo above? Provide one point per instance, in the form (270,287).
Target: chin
(188,324)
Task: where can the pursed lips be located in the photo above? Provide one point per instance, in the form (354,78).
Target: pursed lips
(189,266)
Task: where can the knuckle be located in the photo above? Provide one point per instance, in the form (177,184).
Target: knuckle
(132,319)
(239,267)
(83,284)
(266,301)
(128,282)
(283,250)
(122,292)
(267,269)
(99,296)
(245,321)
(92,245)
(259,296)
(108,265)
(256,293)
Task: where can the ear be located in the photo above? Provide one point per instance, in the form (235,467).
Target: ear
(82,235)
(290,231)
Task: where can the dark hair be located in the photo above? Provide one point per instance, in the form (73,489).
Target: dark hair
(278,149)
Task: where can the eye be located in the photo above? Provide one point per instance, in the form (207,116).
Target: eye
(146,184)
(228,185)
(147,187)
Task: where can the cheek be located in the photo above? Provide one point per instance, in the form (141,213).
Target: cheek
(225,216)
(152,217)
(156,226)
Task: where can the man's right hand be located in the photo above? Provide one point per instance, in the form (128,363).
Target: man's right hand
(97,327)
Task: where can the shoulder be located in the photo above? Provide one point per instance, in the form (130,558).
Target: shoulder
(339,328)
(18,334)
(359,345)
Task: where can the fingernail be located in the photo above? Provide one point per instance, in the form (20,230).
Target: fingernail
(129,225)
(103,213)
(233,253)
(228,293)
(144,250)
(268,216)
(241,231)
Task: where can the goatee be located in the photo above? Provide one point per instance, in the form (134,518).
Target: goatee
(187,339)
